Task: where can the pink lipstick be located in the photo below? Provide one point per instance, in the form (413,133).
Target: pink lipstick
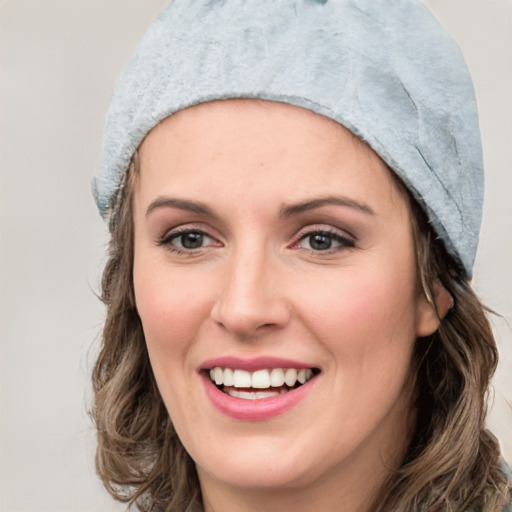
(256,389)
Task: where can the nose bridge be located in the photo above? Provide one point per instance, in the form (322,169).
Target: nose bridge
(250,297)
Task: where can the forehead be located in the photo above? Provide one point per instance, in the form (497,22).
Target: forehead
(260,146)
(281,122)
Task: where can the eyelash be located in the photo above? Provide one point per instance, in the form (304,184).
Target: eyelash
(169,237)
(344,241)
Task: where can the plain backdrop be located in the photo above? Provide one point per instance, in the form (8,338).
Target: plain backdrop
(58,62)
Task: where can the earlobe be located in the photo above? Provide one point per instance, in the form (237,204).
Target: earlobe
(431,310)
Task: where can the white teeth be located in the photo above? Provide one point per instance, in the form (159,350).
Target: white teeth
(228,377)
(277,377)
(249,395)
(241,379)
(266,394)
(260,379)
(290,377)
(219,376)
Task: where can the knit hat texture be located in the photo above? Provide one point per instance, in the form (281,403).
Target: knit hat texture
(385,69)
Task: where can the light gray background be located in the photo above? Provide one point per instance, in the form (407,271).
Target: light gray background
(58,61)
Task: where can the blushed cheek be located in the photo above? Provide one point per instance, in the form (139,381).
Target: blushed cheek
(171,312)
(366,318)
(162,314)
(376,348)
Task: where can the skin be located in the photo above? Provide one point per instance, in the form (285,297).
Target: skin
(258,286)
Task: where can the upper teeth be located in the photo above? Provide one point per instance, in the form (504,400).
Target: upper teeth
(260,379)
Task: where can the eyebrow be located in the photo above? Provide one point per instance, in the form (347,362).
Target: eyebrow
(181,204)
(286,210)
(294,209)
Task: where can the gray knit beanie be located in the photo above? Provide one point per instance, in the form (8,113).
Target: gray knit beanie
(384,69)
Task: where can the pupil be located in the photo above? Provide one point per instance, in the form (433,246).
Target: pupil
(320,242)
(192,240)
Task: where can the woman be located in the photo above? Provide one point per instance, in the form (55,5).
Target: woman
(294,191)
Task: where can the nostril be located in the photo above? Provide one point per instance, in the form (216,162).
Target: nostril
(250,319)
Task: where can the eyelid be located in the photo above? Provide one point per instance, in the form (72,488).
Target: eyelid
(170,229)
(173,233)
(345,239)
(324,228)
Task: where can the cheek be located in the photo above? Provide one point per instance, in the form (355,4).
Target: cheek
(367,319)
(171,309)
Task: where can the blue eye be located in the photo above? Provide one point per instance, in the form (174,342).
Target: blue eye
(322,241)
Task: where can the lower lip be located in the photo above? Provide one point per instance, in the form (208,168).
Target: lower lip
(259,409)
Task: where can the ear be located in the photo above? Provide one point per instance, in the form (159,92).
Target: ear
(431,310)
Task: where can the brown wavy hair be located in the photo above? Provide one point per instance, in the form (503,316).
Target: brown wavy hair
(452,463)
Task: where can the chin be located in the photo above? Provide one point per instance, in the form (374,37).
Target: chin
(259,472)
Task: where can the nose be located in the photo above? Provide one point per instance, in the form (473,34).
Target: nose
(250,301)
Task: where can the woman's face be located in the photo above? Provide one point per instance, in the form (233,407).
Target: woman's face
(271,245)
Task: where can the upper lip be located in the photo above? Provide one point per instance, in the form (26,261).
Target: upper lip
(253,364)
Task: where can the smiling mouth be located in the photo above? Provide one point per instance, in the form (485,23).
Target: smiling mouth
(265,383)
